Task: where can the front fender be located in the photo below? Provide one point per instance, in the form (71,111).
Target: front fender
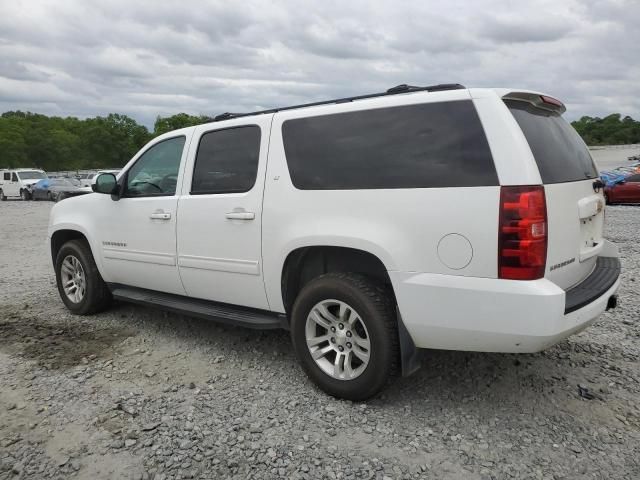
(80,220)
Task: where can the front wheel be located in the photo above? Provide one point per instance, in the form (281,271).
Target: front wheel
(2,196)
(79,282)
(344,332)
(24,195)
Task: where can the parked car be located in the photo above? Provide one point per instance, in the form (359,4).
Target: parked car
(370,227)
(17,183)
(624,190)
(56,189)
(86,180)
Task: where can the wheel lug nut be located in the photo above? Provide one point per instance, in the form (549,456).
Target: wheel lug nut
(341,326)
(348,344)
(333,329)
(341,348)
(333,339)
(348,333)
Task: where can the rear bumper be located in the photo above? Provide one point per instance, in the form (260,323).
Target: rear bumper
(491,315)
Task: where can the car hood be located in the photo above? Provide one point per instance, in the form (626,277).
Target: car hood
(64,188)
(29,182)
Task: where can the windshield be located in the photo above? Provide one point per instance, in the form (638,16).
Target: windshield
(31,175)
(559,151)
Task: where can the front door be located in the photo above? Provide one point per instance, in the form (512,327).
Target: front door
(220,213)
(138,232)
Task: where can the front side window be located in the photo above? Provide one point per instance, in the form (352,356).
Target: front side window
(155,173)
(227,161)
(633,178)
(427,145)
(14,177)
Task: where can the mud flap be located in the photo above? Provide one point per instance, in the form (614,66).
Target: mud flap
(409,355)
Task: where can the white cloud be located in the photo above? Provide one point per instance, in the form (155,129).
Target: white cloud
(148,58)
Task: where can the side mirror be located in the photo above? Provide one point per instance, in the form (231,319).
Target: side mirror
(105,183)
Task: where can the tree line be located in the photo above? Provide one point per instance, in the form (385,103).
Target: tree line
(610,130)
(56,143)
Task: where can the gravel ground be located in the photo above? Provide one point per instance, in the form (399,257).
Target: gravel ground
(138,393)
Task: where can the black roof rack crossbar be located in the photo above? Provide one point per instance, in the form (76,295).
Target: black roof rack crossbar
(404,88)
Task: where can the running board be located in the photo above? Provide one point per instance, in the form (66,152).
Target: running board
(219,312)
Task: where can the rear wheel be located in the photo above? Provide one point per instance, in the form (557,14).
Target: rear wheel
(79,283)
(344,332)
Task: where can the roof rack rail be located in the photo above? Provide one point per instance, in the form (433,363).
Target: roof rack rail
(398,89)
(227,116)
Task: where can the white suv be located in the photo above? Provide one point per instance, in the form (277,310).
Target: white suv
(371,227)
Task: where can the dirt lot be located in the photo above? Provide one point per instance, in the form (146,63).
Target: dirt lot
(138,393)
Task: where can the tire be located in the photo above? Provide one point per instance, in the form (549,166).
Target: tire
(2,196)
(376,320)
(60,196)
(96,296)
(24,195)
(52,197)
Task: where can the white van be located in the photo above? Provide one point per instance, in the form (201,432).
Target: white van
(371,227)
(18,182)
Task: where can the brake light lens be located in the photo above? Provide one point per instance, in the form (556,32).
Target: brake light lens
(551,101)
(522,235)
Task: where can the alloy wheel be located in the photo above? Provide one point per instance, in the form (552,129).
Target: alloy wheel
(337,339)
(73,278)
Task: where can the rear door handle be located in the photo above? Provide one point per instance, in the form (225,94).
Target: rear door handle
(240,215)
(160,216)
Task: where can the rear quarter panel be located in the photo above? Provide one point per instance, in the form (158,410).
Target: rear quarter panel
(402,227)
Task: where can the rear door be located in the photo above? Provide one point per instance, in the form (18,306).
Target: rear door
(12,187)
(575,210)
(220,213)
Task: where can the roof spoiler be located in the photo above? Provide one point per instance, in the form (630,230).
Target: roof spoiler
(538,100)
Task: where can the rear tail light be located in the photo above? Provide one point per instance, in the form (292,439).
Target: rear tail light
(522,235)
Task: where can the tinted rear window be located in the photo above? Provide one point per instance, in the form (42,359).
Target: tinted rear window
(413,146)
(559,151)
(227,161)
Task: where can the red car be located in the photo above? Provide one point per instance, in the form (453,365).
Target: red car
(625,191)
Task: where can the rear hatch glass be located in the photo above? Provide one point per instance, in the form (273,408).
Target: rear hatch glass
(575,212)
(559,151)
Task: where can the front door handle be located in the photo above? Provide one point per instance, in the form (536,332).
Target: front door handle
(241,215)
(160,216)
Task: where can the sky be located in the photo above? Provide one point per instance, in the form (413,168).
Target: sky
(149,58)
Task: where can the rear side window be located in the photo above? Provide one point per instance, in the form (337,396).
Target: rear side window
(227,161)
(413,146)
(559,151)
